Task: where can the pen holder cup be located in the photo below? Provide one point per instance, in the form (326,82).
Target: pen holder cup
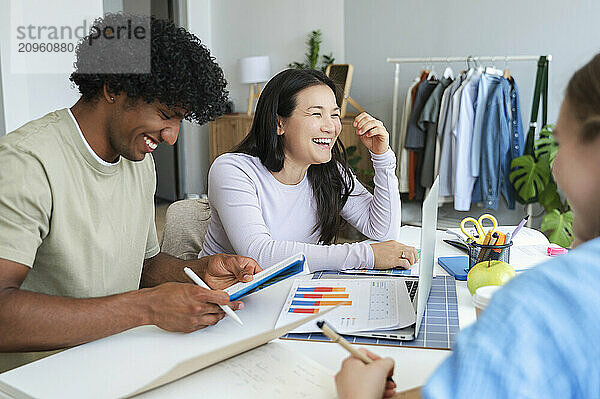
(480,253)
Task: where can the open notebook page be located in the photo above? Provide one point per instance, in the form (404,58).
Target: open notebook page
(269,371)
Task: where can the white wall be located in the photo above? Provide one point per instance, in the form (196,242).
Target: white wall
(393,28)
(195,15)
(233,29)
(30,96)
(276,28)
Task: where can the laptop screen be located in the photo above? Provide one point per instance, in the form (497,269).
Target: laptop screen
(428,238)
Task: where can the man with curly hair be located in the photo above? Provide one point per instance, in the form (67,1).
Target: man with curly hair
(79,255)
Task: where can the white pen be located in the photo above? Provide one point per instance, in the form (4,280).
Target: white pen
(202,284)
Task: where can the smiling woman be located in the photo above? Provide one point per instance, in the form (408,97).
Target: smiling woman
(309,133)
(288,186)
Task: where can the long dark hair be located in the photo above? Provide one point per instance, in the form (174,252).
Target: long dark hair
(331,182)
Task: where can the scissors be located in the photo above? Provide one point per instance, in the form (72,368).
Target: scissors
(479,227)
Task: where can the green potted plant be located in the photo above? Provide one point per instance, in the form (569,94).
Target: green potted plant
(313,44)
(531,176)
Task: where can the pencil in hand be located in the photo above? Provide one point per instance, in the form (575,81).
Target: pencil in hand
(335,337)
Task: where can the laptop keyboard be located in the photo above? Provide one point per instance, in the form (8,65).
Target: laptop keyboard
(411,286)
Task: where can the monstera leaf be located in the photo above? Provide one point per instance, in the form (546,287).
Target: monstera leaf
(529,177)
(558,227)
(546,146)
(549,198)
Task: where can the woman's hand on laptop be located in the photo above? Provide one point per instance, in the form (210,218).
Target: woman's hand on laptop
(390,254)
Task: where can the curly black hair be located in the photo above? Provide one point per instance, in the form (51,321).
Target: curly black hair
(182,73)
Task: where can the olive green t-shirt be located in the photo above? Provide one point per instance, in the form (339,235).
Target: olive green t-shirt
(82,226)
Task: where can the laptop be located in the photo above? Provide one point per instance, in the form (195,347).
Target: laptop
(418,289)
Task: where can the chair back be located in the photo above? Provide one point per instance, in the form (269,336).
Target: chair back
(186,223)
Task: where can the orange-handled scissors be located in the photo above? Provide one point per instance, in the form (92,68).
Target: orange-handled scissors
(479,227)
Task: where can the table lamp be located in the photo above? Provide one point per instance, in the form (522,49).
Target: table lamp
(254,70)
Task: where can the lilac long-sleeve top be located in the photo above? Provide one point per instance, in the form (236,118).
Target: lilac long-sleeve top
(255,215)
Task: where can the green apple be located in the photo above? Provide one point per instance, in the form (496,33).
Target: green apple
(492,272)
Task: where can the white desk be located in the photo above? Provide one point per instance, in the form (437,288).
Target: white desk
(120,364)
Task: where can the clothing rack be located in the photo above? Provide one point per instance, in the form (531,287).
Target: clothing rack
(467,59)
(407,60)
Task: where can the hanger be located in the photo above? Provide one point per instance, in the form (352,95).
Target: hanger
(469,60)
(474,66)
(432,73)
(491,70)
(448,73)
(426,67)
(467,66)
(506,70)
(470,67)
(479,66)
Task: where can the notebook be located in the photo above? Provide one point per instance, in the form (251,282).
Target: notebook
(205,360)
(289,267)
(269,371)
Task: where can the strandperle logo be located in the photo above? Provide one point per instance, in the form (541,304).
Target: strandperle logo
(120,44)
(65,32)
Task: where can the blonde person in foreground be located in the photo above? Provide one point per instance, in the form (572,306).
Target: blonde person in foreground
(538,337)
(288,186)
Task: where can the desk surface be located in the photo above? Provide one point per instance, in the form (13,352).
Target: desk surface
(97,369)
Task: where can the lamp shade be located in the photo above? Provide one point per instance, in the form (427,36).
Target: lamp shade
(255,69)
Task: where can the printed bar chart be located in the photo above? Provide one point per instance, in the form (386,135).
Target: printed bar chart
(321,303)
(360,304)
(314,299)
(321,289)
(321,296)
(303,310)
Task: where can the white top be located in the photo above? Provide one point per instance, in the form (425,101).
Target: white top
(87,145)
(255,215)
